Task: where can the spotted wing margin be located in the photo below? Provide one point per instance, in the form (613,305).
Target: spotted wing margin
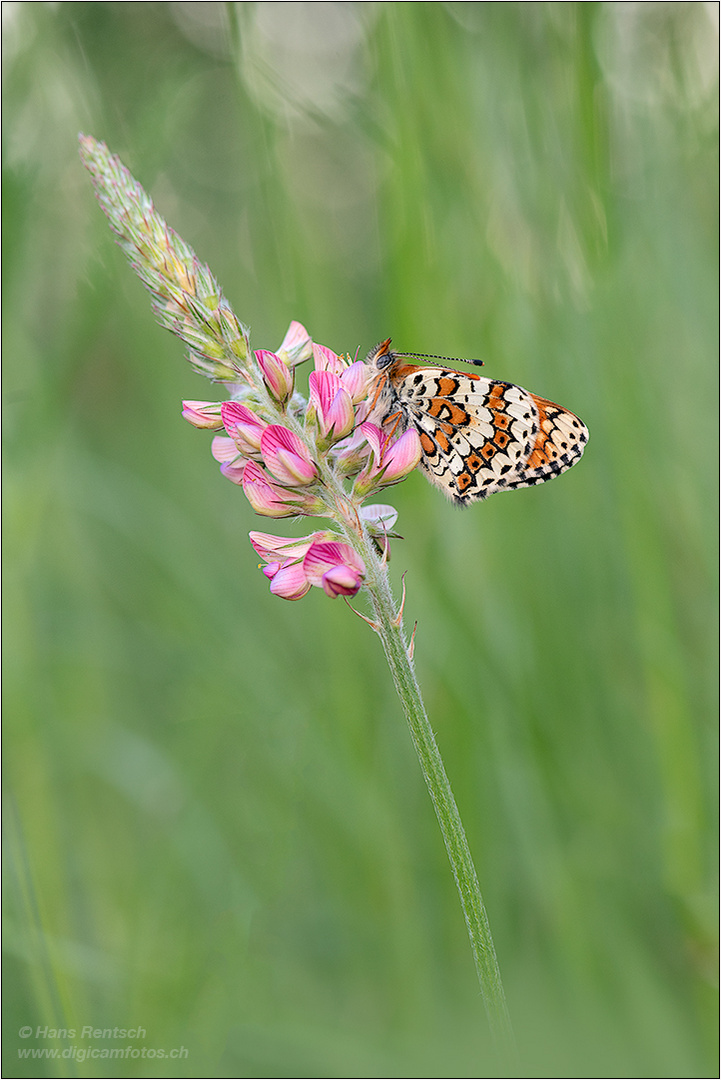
(476,433)
(559,444)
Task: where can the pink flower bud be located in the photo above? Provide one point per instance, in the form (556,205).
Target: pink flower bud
(286,456)
(332,403)
(277,376)
(203,414)
(334,567)
(243,426)
(341,580)
(296,345)
(290,582)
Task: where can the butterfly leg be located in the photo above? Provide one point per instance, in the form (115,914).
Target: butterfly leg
(393,420)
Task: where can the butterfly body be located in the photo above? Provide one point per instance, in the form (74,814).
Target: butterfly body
(478,435)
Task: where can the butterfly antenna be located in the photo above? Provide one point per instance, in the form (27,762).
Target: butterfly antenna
(433,356)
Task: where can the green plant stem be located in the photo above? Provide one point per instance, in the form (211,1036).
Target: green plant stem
(390,630)
(389,626)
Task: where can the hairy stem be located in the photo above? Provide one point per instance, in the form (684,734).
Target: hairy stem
(390,629)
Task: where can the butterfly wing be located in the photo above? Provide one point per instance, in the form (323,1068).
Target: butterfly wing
(480,436)
(560,441)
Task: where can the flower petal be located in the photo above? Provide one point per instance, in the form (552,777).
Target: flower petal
(322,556)
(402,456)
(296,345)
(286,456)
(355,380)
(323,385)
(376,439)
(265,497)
(326,360)
(234,470)
(332,404)
(290,582)
(379,516)
(223,449)
(281,547)
(243,426)
(203,414)
(341,580)
(340,417)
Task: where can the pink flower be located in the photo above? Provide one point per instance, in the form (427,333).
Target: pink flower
(287,456)
(353,377)
(296,345)
(273,500)
(232,464)
(392,460)
(320,559)
(284,563)
(279,464)
(203,414)
(326,360)
(277,376)
(332,403)
(334,567)
(266,498)
(355,380)
(243,426)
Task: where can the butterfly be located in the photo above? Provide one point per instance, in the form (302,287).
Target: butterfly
(478,436)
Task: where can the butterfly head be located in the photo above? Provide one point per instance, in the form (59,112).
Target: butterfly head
(381,355)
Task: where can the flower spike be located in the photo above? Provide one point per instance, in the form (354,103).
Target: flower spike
(186,298)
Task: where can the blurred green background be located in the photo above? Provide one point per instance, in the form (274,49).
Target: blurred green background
(216,827)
